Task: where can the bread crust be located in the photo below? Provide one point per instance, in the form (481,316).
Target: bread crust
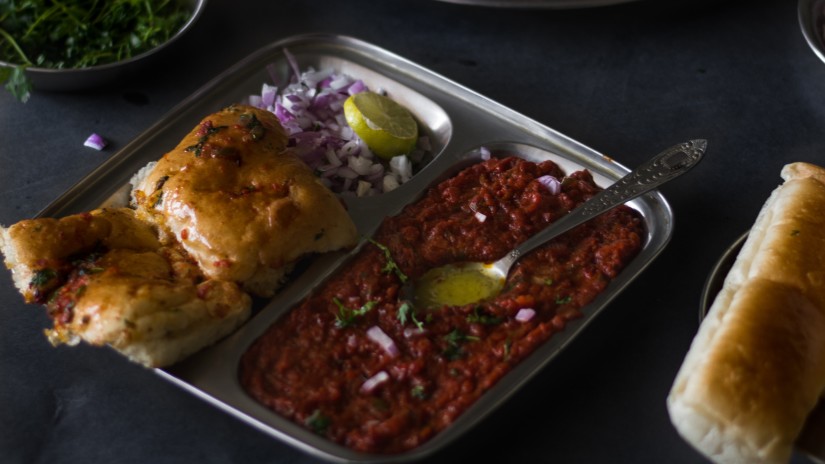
(240,202)
(756,367)
(110,281)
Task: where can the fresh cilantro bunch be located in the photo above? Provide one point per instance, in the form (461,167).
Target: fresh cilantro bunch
(61,34)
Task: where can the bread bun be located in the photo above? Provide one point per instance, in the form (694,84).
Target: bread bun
(107,279)
(240,202)
(756,367)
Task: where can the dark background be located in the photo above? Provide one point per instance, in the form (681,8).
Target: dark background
(627,80)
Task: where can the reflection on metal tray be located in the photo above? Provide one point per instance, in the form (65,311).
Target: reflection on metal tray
(559,4)
(458,121)
(812,21)
(810,440)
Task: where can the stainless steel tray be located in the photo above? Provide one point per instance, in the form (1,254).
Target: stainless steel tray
(458,121)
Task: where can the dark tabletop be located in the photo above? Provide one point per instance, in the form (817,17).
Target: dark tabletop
(627,80)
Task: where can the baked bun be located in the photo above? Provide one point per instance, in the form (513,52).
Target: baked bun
(240,202)
(107,279)
(756,367)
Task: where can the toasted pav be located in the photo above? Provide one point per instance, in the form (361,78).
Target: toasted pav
(107,279)
(756,368)
(241,203)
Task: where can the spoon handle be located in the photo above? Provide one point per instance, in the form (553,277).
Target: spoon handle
(662,168)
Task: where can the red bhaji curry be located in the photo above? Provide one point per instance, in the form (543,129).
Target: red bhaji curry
(361,367)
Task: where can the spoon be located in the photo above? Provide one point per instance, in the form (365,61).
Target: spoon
(467,282)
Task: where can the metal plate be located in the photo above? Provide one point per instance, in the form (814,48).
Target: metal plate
(558,4)
(72,79)
(458,121)
(812,21)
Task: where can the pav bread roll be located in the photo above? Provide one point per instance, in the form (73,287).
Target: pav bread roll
(107,279)
(243,205)
(756,367)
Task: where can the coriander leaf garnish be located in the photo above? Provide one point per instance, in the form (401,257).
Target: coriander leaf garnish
(42,276)
(346,316)
(391,266)
(406,309)
(418,392)
(454,341)
(482,318)
(318,422)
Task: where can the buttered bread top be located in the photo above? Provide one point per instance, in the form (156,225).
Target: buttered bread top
(240,201)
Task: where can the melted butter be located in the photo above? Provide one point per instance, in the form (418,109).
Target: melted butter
(457,285)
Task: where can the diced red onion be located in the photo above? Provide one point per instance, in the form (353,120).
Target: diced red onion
(413,332)
(552,184)
(95,141)
(481,217)
(383,340)
(371,383)
(363,188)
(268,93)
(401,165)
(390,183)
(525,314)
(310,107)
(485,153)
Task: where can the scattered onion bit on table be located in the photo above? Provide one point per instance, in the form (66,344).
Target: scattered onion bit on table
(311,109)
(95,141)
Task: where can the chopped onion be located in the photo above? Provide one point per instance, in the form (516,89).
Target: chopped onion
(413,331)
(95,141)
(390,183)
(363,188)
(383,340)
(552,184)
(485,153)
(310,107)
(525,314)
(480,216)
(371,383)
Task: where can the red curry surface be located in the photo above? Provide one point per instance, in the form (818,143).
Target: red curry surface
(312,364)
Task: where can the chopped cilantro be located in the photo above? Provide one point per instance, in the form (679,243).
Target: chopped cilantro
(407,309)
(346,316)
(42,277)
(391,266)
(318,422)
(481,318)
(454,340)
(565,300)
(418,392)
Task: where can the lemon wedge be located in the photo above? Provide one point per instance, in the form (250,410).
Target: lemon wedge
(386,127)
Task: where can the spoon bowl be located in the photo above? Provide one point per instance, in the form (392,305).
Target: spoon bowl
(463,283)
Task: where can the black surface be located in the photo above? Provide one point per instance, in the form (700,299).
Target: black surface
(627,80)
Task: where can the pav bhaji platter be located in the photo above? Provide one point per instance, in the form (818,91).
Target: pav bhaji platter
(336,362)
(307,242)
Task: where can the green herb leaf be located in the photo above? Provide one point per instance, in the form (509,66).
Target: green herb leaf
(418,392)
(481,318)
(42,277)
(318,422)
(391,265)
(454,340)
(564,300)
(346,316)
(406,309)
(16,82)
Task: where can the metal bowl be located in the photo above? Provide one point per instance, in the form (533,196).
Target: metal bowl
(716,278)
(50,79)
(812,22)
